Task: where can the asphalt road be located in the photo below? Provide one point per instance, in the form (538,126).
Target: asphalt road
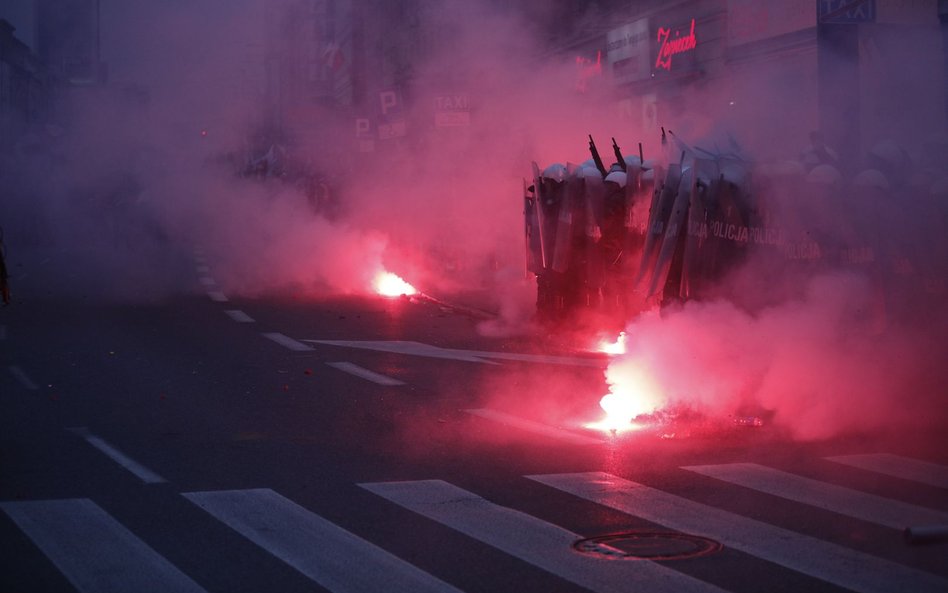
(207,442)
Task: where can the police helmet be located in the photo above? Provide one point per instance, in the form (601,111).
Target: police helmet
(632,161)
(555,172)
(826,175)
(734,174)
(939,189)
(617,177)
(871,178)
(889,153)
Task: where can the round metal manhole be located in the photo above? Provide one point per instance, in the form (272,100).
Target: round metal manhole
(649,545)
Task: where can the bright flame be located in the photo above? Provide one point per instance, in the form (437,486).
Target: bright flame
(617,347)
(620,412)
(631,394)
(390,285)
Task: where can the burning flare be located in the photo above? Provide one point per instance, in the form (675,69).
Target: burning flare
(631,394)
(390,285)
(617,347)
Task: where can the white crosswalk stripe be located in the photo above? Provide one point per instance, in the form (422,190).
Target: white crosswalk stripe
(824,560)
(97,553)
(323,551)
(93,550)
(852,503)
(537,542)
(898,467)
(364,373)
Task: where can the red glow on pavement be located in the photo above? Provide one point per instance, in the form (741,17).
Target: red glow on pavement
(617,347)
(390,285)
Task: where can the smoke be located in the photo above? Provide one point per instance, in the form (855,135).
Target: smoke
(134,174)
(815,366)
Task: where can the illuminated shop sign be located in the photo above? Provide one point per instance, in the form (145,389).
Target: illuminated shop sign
(672,43)
(628,48)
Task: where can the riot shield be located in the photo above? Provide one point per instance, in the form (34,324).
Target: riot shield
(719,230)
(533,245)
(675,232)
(663,199)
(572,200)
(551,198)
(696,236)
(611,247)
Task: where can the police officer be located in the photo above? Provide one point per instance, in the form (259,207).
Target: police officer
(818,153)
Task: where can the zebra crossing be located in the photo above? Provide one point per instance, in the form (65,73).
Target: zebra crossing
(95,552)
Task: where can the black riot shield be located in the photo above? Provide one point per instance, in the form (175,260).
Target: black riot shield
(533,245)
(611,246)
(719,227)
(551,198)
(673,239)
(663,199)
(568,219)
(638,199)
(554,226)
(696,247)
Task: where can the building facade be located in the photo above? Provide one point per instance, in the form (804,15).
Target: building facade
(24,89)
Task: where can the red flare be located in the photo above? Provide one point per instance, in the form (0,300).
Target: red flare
(390,285)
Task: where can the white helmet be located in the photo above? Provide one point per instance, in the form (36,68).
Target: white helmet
(617,177)
(734,174)
(826,175)
(889,153)
(939,188)
(591,172)
(632,161)
(871,178)
(555,172)
(786,169)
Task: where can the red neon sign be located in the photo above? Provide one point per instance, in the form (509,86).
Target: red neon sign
(669,47)
(587,70)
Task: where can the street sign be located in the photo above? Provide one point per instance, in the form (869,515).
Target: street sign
(452,111)
(841,12)
(392,123)
(395,129)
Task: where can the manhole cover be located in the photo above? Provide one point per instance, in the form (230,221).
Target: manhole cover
(651,545)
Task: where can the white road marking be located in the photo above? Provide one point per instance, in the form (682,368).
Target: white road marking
(534,427)
(326,553)
(95,552)
(23,378)
(202,269)
(354,369)
(420,349)
(830,562)
(404,347)
(239,316)
(852,503)
(537,542)
(142,472)
(287,342)
(898,467)
(217,296)
(207,281)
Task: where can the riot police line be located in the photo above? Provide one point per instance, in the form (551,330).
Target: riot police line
(646,233)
